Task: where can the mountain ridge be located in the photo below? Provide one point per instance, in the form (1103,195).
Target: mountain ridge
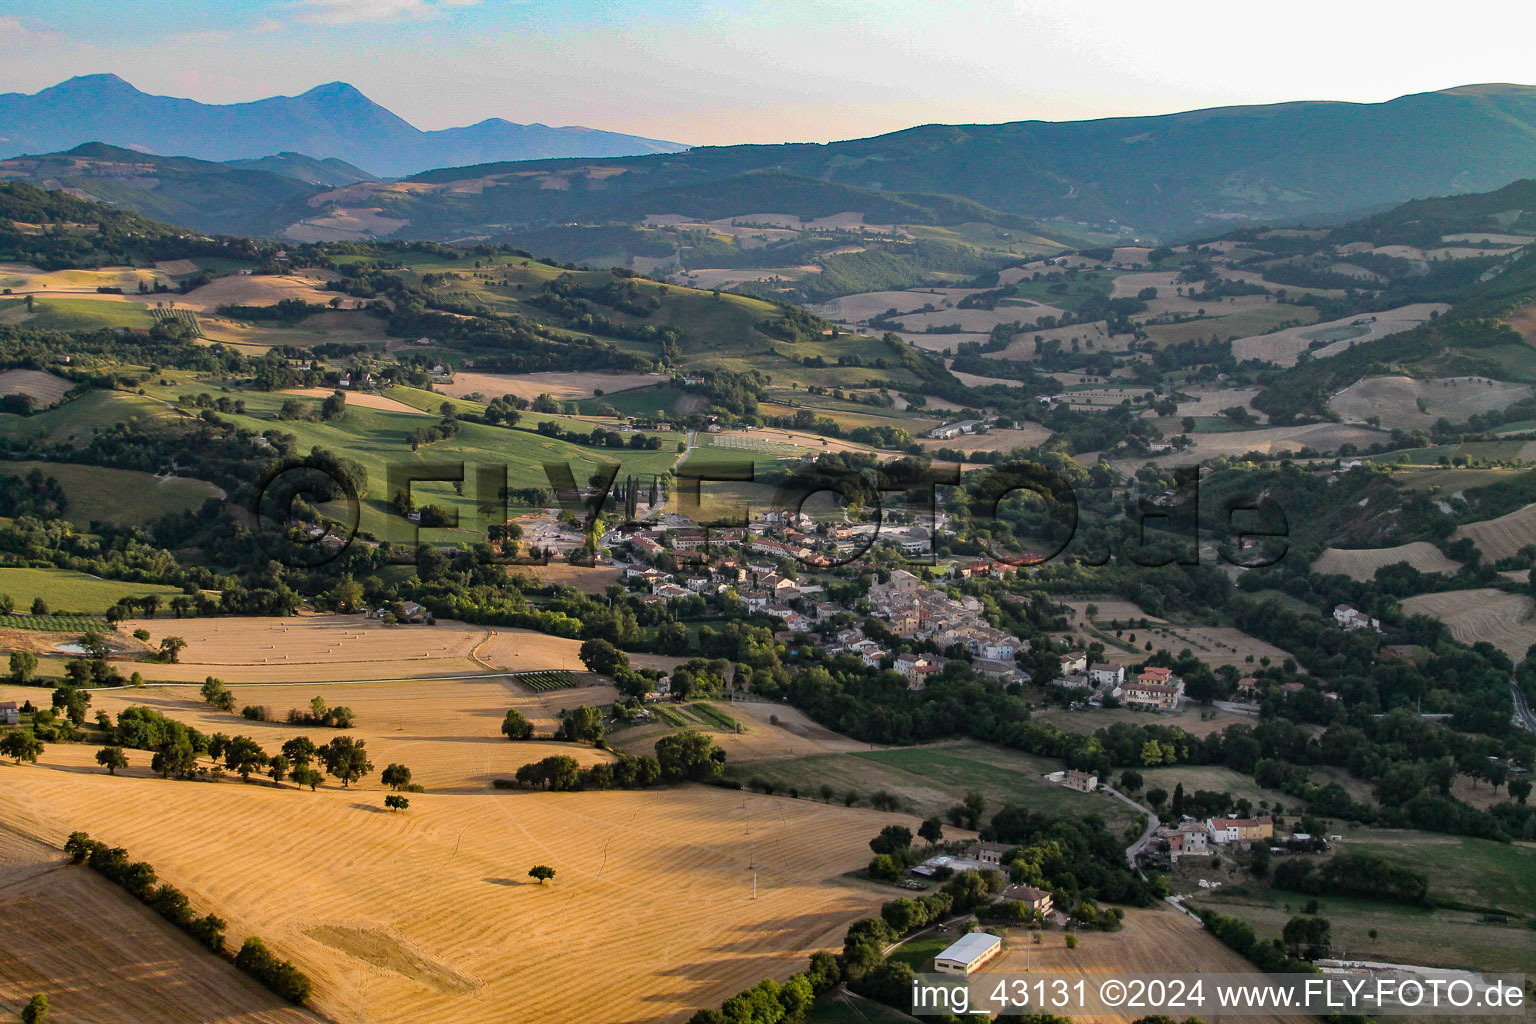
(333,119)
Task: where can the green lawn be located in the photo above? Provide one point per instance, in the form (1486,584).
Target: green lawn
(68,591)
(931,779)
(119,496)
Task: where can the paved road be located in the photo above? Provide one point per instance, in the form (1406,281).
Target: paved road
(1523,713)
(1134,850)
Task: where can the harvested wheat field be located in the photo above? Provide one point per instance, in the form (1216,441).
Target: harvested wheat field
(1324,437)
(1030,435)
(448,731)
(1360,564)
(259,290)
(1158,941)
(122,961)
(1508,621)
(429,915)
(23,277)
(1282,347)
(795,734)
(1406,403)
(589,579)
(563,386)
(1502,537)
(44,387)
(361,399)
(319,648)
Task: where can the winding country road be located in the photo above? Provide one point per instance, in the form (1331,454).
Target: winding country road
(1134,850)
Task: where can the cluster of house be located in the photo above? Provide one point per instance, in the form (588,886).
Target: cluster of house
(1197,838)
(916,612)
(1153,688)
(1353,618)
(908,607)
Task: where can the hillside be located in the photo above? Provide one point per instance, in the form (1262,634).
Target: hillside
(331,120)
(211,197)
(1164,176)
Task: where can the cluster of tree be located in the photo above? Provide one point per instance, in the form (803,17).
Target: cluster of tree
(563,773)
(1366,876)
(770,1001)
(599,437)
(32,494)
(1239,936)
(138,878)
(322,714)
(445,430)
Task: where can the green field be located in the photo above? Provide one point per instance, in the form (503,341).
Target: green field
(73,421)
(68,591)
(932,779)
(1215,779)
(378,439)
(1467,878)
(52,623)
(1434,937)
(543,682)
(713,718)
(81,314)
(1239,324)
(119,496)
(839,1007)
(661,398)
(1475,872)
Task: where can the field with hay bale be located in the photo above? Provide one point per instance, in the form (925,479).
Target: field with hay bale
(405,917)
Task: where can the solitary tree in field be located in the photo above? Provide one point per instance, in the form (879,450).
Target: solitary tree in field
(171,648)
(396,776)
(36,1010)
(39,606)
(23,665)
(111,758)
(932,830)
(542,872)
(515,726)
(23,746)
(396,803)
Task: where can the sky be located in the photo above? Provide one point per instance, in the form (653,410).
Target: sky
(711,72)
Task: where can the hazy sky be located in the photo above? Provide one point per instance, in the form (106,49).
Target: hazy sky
(771,71)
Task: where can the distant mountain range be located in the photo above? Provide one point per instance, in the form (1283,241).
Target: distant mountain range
(1173,175)
(333,120)
(1168,177)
